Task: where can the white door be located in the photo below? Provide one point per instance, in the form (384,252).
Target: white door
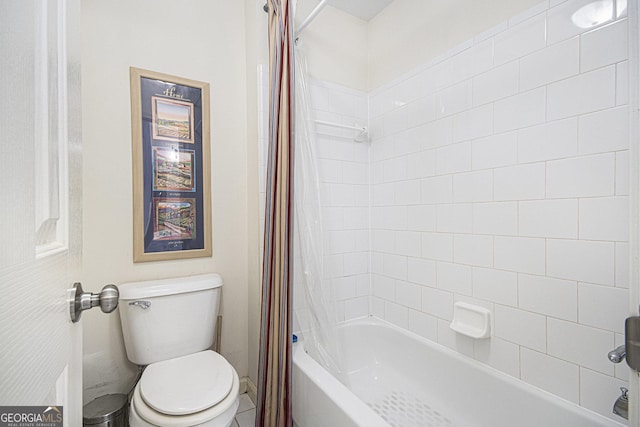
(634,167)
(40,205)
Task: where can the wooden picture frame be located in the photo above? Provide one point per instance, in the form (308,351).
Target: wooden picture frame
(170,137)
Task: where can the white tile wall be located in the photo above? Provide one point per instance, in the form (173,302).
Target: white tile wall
(521,254)
(604,46)
(604,218)
(423,324)
(549,218)
(519,142)
(521,327)
(474,123)
(549,373)
(498,218)
(550,64)
(454,218)
(495,151)
(496,83)
(588,261)
(523,38)
(545,295)
(548,141)
(604,131)
(496,285)
(588,176)
(454,278)
(602,307)
(521,182)
(498,353)
(473,250)
(582,94)
(421,271)
(580,344)
(519,111)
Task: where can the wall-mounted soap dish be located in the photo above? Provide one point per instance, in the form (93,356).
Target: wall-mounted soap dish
(471,320)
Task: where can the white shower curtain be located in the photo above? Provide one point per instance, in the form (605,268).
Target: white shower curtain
(321,340)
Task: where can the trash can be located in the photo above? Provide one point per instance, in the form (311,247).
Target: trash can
(106,411)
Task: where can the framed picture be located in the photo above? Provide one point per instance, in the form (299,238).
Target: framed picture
(174,219)
(171,170)
(172,120)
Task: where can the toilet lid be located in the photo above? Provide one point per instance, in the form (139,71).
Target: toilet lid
(186,384)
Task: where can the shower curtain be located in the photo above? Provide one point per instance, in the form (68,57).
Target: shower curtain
(274,372)
(320,336)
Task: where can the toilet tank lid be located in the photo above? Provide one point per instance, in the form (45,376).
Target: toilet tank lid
(161,287)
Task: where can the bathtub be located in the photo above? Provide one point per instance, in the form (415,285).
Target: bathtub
(397,378)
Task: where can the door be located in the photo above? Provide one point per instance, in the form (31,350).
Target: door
(40,205)
(634,167)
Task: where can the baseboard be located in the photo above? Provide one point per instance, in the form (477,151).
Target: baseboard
(247,386)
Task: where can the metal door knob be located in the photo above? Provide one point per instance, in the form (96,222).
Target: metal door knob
(107,299)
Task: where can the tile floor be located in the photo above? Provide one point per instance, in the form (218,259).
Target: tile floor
(246,415)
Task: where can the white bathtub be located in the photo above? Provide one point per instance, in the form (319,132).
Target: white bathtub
(410,381)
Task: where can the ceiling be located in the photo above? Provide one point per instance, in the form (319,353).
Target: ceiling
(363,9)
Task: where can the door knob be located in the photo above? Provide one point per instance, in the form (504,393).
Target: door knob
(107,299)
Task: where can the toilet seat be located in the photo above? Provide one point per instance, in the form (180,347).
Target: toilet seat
(225,408)
(186,384)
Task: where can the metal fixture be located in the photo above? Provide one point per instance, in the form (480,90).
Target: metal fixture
(142,304)
(106,411)
(617,355)
(632,341)
(621,407)
(107,299)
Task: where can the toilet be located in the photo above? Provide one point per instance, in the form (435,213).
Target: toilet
(169,325)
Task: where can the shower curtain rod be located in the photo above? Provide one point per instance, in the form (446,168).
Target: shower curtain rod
(311,16)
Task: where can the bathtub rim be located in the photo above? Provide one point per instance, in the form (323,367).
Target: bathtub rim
(325,381)
(350,404)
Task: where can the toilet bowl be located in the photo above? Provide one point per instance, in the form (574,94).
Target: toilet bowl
(196,390)
(168,326)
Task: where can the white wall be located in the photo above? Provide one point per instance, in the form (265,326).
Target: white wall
(257,57)
(197,39)
(336,45)
(408,33)
(500,178)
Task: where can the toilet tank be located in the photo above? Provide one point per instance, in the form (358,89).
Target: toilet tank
(163,319)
